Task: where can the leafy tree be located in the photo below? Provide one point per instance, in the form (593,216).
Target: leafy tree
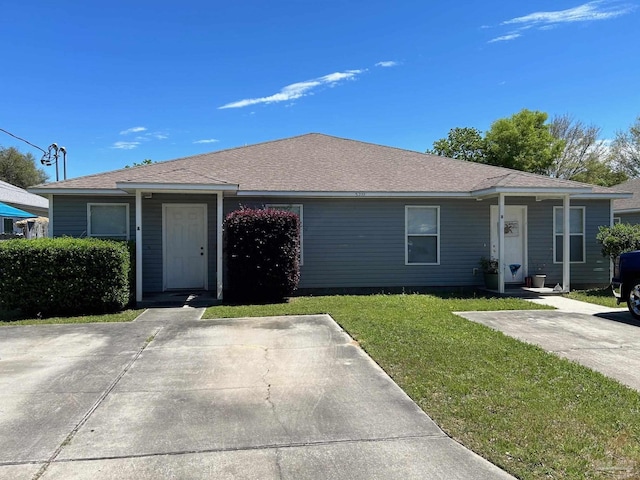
(146,161)
(20,169)
(625,149)
(523,142)
(584,158)
(600,172)
(466,143)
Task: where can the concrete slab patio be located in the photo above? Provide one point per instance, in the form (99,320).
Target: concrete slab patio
(169,396)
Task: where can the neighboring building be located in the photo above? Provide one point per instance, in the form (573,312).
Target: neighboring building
(372,216)
(627,210)
(27,204)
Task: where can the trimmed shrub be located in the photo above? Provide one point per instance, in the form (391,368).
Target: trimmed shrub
(64,276)
(620,238)
(263,251)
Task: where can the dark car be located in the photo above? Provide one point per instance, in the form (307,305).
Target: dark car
(626,281)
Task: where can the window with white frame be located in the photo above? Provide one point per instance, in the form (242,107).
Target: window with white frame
(108,220)
(576,234)
(422,235)
(616,220)
(294,208)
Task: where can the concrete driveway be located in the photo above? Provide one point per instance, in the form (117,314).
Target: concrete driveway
(169,396)
(604,339)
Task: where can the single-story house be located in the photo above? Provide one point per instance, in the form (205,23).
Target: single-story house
(22,204)
(627,210)
(372,216)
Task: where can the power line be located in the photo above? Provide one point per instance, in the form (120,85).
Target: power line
(50,157)
(25,141)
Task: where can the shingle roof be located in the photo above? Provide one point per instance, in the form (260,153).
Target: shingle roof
(321,163)
(19,196)
(633,203)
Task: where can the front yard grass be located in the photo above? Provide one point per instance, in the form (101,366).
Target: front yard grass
(530,412)
(13,318)
(599,296)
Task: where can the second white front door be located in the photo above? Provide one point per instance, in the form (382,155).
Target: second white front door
(184,235)
(515,241)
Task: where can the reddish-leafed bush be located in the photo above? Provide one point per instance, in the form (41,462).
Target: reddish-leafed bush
(263,251)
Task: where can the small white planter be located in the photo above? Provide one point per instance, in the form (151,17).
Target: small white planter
(538,281)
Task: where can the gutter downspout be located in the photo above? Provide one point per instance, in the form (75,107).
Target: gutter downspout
(50,213)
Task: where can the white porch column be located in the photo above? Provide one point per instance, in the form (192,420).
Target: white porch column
(50,213)
(501,243)
(219,251)
(566,243)
(138,246)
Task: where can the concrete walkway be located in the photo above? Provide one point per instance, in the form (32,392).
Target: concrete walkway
(171,396)
(604,339)
(568,305)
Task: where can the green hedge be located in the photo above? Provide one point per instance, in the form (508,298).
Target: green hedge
(263,250)
(64,276)
(620,238)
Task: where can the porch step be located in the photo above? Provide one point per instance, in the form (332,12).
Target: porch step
(179,299)
(525,292)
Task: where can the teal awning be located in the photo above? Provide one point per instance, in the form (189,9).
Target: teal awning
(13,212)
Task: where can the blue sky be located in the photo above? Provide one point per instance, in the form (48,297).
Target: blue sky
(117,82)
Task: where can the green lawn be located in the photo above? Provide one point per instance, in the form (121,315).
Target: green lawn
(599,296)
(14,318)
(533,414)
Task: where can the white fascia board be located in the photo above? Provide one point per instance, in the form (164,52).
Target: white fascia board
(271,193)
(600,196)
(626,210)
(176,187)
(78,191)
(531,191)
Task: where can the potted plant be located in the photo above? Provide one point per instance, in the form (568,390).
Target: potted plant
(538,279)
(490,271)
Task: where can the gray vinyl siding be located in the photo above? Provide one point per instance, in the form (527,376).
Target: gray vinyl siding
(355,243)
(70,214)
(360,242)
(595,270)
(70,218)
(632,218)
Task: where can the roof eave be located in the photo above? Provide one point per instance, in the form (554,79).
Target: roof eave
(131,187)
(350,194)
(626,210)
(610,196)
(532,191)
(75,191)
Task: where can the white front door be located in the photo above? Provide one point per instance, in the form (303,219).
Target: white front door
(184,235)
(515,241)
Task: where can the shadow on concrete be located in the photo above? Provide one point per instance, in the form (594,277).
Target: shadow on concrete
(620,317)
(196,299)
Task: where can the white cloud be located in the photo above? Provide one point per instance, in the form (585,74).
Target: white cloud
(125,145)
(505,38)
(132,130)
(591,11)
(389,63)
(296,90)
(207,140)
(587,12)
